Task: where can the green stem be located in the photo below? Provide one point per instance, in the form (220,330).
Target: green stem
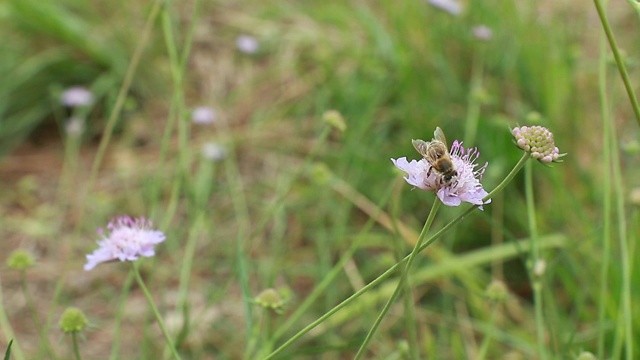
(606,201)
(534,257)
(154,309)
(44,339)
(403,278)
(393,268)
(333,273)
(619,61)
(76,349)
(7,330)
(484,348)
(120,100)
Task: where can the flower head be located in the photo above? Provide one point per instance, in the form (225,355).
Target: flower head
(20,260)
(465,186)
(76,96)
(247,44)
(128,239)
(538,141)
(72,320)
(203,115)
(453,7)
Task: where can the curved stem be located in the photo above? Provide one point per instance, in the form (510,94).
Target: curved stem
(155,310)
(76,350)
(403,278)
(616,54)
(393,268)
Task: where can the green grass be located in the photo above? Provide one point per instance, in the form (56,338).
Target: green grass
(304,208)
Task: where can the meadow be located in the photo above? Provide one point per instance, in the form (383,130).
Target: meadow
(238,157)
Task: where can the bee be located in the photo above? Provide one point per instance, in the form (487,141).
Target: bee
(436,152)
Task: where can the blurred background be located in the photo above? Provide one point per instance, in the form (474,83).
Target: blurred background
(273,196)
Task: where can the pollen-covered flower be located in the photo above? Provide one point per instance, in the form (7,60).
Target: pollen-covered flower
(453,7)
(463,187)
(128,239)
(76,96)
(538,141)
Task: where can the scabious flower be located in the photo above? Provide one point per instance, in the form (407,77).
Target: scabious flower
(465,187)
(128,239)
(76,96)
(538,141)
(72,320)
(247,44)
(203,115)
(453,7)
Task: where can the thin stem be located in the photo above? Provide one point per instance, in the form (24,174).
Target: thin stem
(122,95)
(7,330)
(606,201)
(393,268)
(44,339)
(619,62)
(403,278)
(484,348)
(76,349)
(625,317)
(331,275)
(534,257)
(155,310)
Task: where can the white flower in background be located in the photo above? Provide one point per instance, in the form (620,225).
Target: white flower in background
(74,126)
(482,32)
(213,151)
(453,7)
(247,44)
(76,96)
(466,186)
(203,115)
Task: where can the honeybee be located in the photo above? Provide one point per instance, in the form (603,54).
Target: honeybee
(436,152)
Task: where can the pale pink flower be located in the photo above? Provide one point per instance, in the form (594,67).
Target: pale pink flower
(464,187)
(247,44)
(538,141)
(203,115)
(453,7)
(127,239)
(76,96)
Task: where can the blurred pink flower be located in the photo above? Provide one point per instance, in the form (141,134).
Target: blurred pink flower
(76,96)
(453,7)
(465,187)
(128,239)
(203,115)
(247,44)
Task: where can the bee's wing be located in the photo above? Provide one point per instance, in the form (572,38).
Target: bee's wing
(421,146)
(439,135)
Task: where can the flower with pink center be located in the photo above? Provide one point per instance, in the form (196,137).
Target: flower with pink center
(127,239)
(464,187)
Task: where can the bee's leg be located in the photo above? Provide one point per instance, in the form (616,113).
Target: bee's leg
(429,171)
